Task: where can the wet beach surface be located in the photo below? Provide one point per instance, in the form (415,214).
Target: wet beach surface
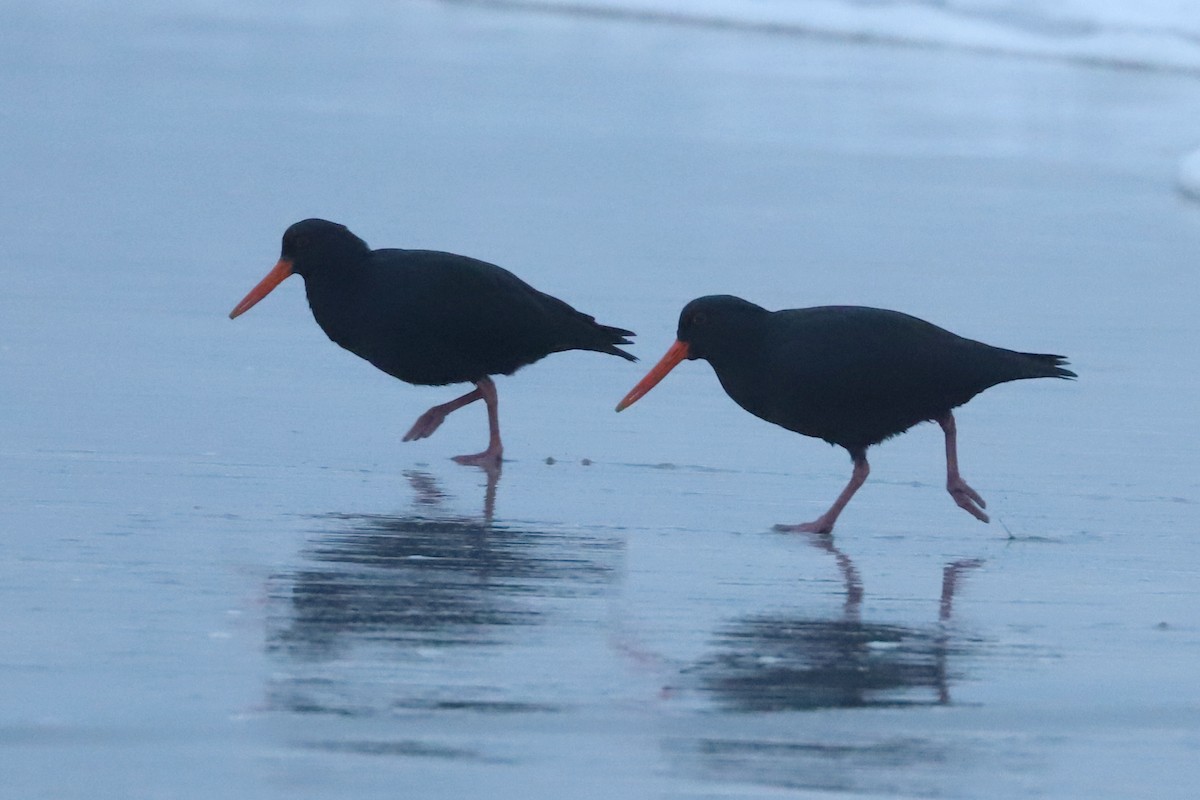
(224,575)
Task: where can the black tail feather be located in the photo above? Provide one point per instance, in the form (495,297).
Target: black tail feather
(1050,366)
(616,336)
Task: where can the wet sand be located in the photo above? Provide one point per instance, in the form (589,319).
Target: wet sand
(224,574)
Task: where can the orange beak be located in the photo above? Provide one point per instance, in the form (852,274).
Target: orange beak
(677,353)
(275,277)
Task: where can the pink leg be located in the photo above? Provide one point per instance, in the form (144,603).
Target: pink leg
(824,523)
(966,497)
(432,419)
(489,459)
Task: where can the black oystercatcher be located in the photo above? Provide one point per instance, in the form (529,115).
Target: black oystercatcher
(431,318)
(850,375)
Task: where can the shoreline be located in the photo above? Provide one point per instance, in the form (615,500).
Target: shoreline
(815,31)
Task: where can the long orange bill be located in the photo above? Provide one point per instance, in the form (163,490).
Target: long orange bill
(273,279)
(677,353)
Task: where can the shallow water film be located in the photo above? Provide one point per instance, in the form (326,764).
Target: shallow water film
(224,574)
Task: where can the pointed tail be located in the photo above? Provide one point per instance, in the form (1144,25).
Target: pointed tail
(1047,365)
(615,336)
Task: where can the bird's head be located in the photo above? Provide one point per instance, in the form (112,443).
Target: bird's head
(708,326)
(308,247)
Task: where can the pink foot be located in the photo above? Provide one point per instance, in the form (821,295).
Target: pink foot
(489,459)
(967,498)
(426,424)
(819,525)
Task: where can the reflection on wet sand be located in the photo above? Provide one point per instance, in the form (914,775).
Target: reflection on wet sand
(382,596)
(429,495)
(783,662)
(796,663)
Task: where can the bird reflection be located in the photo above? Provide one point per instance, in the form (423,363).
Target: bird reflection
(428,495)
(784,662)
(416,585)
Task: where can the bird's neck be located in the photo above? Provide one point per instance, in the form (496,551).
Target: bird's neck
(333,292)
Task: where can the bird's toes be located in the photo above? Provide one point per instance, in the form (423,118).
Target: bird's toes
(970,502)
(488,459)
(980,515)
(974,495)
(966,497)
(425,425)
(819,525)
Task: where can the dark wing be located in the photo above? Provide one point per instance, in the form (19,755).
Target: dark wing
(459,319)
(862,375)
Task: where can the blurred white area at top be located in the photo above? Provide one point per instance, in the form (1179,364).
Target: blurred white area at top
(1148,34)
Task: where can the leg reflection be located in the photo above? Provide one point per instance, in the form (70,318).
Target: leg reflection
(779,662)
(430,495)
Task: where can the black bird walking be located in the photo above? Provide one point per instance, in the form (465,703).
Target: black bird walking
(431,318)
(850,375)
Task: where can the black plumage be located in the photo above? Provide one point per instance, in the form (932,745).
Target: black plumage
(851,375)
(431,318)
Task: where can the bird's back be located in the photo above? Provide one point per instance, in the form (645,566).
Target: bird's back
(855,376)
(429,317)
